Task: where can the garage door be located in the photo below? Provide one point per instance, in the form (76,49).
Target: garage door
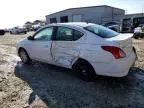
(77,18)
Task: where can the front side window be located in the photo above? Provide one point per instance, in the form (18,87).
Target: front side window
(101,31)
(68,34)
(44,34)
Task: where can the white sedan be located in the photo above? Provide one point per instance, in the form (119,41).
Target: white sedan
(87,48)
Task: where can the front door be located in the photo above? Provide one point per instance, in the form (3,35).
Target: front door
(40,47)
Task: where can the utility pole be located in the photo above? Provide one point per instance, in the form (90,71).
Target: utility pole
(112,14)
(142,10)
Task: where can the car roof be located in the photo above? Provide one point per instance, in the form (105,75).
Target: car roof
(73,24)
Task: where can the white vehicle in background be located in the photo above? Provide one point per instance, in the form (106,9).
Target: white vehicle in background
(87,48)
(139,32)
(17,30)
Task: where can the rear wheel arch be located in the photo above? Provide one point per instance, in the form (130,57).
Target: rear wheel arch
(79,61)
(84,70)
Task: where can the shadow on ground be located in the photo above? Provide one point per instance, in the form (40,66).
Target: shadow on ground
(60,88)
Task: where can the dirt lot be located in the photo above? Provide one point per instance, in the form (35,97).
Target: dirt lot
(40,85)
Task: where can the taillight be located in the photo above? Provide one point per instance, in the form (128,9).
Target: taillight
(116,51)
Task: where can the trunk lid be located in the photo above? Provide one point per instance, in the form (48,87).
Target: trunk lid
(124,41)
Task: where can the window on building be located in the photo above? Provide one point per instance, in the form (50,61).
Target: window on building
(53,20)
(64,19)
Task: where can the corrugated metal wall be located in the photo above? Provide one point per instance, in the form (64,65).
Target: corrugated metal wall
(99,14)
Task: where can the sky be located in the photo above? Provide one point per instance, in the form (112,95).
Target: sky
(17,12)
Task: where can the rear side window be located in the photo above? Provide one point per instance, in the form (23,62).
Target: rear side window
(77,35)
(101,31)
(68,34)
(64,34)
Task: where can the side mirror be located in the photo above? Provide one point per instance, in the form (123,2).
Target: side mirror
(30,38)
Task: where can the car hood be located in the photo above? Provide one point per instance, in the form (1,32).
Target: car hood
(22,41)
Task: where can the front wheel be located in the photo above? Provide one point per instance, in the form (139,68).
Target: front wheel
(24,56)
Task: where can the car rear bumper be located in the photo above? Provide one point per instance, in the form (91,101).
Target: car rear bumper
(117,68)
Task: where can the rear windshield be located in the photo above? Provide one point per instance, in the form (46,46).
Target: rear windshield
(101,31)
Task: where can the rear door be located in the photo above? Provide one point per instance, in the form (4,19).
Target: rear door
(65,48)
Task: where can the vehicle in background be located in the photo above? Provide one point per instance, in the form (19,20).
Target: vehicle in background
(116,26)
(130,23)
(2,32)
(6,30)
(87,48)
(36,27)
(142,27)
(139,32)
(17,30)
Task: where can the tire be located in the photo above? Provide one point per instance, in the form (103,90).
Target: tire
(85,71)
(136,36)
(141,35)
(24,56)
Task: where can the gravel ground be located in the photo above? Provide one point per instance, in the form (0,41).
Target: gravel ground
(39,85)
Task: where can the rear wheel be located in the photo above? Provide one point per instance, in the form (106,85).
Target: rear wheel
(136,36)
(25,32)
(24,56)
(85,71)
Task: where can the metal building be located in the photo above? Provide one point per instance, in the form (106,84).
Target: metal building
(94,14)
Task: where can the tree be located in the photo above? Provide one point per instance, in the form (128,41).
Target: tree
(37,22)
(28,25)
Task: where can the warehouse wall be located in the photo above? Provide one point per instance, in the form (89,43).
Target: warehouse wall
(112,14)
(91,15)
(88,14)
(97,14)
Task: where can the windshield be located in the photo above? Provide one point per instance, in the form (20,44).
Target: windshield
(101,31)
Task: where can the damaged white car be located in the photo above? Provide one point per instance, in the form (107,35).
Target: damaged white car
(89,49)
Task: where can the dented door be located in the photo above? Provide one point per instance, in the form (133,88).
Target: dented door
(64,53)
(64,49)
